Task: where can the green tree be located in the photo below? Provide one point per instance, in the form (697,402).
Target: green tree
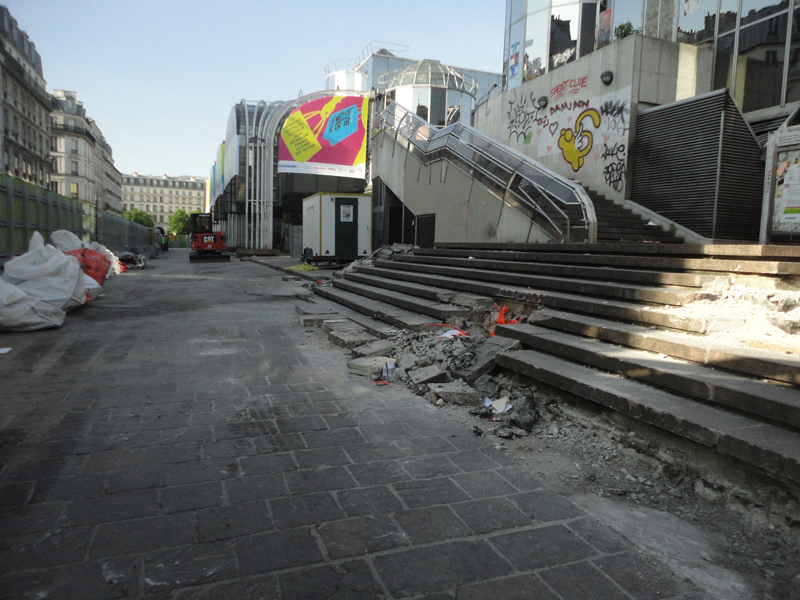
(623,30)
(138,216)
(179,222)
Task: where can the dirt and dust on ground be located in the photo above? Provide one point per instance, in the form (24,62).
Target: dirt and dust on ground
(727,528)
(764,312)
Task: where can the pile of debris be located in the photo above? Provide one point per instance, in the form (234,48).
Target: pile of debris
(382,253)
(40,287)
(447,365)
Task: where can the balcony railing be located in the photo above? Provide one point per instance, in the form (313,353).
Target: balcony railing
(59,128)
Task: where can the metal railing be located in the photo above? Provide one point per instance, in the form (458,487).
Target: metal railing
(522,183)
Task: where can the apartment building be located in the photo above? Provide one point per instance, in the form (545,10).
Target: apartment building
(161,196)
(83,161)
(26,105)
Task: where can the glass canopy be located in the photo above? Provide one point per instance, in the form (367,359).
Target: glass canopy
(430,73)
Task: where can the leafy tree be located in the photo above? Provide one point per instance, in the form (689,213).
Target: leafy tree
(623,30)
(138,216)
(179,222)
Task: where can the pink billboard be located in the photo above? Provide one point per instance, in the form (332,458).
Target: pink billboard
(326,136)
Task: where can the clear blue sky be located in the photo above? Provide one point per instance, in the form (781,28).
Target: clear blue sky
(161,76)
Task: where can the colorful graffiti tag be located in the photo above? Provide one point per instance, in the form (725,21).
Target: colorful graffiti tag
(576,144)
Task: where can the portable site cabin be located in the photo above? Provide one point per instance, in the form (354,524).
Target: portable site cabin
(337,227)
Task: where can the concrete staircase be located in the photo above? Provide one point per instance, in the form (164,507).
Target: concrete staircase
(618,224)
(606,330)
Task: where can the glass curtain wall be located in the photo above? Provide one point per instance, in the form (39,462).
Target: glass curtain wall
(542,35)
(754,41)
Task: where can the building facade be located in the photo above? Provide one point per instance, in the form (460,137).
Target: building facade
(379,64)
(83,162)
(756,43)
(161,196)
(26,106)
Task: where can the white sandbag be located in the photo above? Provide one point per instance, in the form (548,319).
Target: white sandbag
(66,241)
(37,241)
(114,270)
(93,288)
(20,312)
(48,275)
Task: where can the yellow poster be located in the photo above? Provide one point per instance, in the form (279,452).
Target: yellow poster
(300,140)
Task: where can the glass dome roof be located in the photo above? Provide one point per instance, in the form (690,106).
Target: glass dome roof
(430,73)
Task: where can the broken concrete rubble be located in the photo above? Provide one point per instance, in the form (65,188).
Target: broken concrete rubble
(456,392)
(384,253)
(484,354)
(429,374)
(368,365)
(318,320)
(350,339)
(373,348)
(407,361)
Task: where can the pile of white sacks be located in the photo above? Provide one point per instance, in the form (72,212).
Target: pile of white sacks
(40,287)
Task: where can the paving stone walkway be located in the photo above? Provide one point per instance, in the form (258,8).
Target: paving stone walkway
(183,437)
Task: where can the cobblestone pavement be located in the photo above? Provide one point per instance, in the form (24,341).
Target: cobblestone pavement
(183,437)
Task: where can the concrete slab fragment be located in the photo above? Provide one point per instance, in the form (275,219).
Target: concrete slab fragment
(430,374)
(382,347)
(368,365)
(317,320)
(456,392)
(484,357)
(350,339)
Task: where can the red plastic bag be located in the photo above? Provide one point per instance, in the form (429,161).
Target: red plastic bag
(94,264)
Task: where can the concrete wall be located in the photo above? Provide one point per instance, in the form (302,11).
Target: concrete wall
(586,128)
(465,210)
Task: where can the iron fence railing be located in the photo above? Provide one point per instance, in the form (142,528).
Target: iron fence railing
(25,208)
(558,205)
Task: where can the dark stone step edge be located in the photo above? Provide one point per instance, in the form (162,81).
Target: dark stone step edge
(610,290)
(599,273)
(613,309)
(758,398)
(748,361)
(733,267)
(768,447)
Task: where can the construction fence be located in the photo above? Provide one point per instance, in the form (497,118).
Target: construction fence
(25,208)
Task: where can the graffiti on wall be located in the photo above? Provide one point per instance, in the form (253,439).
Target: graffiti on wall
(589,133)
(614,157)
(576,144)
(522,117)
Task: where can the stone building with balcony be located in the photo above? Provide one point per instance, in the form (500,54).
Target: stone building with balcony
(161,196)
(26,106)
(83,162)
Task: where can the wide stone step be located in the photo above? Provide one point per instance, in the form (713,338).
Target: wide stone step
(395,316)
(570,270)
(443,312)
(767,446)
(773,401)
(754,251)
(717,265)
(654,295)
(613,309)
(422,290)
(631,225)
(749,361)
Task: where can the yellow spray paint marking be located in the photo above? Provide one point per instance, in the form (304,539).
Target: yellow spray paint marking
(577,144)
